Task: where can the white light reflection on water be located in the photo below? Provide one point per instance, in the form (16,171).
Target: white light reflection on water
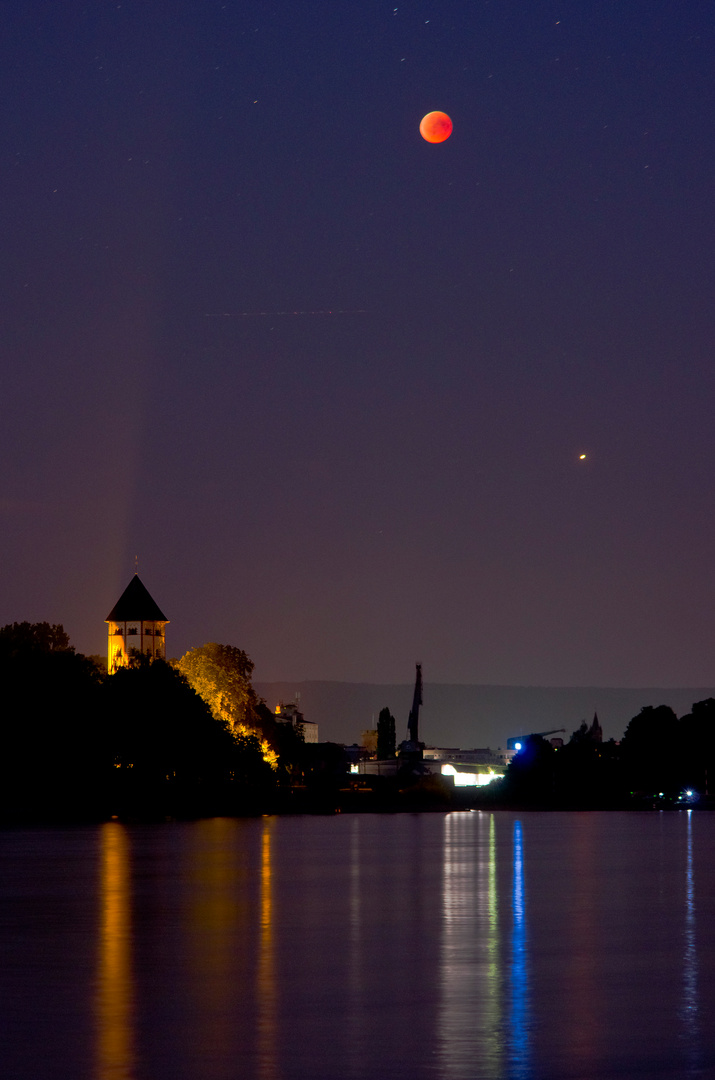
(470,1013)
(356,1021)
(493,973)
(689,1010)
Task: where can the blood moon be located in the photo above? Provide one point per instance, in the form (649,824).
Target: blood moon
(435,127)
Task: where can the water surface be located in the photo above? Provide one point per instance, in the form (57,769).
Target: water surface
(497,945)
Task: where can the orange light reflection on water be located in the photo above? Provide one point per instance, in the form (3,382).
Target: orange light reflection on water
(265,976)
(114,1004)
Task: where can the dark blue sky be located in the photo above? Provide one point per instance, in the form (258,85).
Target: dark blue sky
(343,494)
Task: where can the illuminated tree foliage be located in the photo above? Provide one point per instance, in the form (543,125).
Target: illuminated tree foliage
(161,730)
(221,675)
(79,744)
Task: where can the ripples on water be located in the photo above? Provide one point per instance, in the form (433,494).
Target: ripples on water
(464,946)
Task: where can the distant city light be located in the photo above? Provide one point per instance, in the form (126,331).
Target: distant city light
(517,746)
(465,779)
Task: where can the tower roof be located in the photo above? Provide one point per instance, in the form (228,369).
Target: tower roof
(136,603)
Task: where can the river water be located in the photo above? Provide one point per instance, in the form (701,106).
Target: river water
(459,946)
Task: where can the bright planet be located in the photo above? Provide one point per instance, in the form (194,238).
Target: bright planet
(435,127)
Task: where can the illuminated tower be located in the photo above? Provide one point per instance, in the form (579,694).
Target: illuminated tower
(135,622)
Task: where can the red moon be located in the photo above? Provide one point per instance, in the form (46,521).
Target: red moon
(435,127)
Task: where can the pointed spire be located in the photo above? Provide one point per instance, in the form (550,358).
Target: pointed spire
(136,603)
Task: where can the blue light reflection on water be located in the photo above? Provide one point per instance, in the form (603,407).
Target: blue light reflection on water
(519,1005)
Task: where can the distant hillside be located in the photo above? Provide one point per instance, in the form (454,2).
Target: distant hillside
(472,716)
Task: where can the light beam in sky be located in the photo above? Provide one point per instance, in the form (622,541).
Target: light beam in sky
(247,314)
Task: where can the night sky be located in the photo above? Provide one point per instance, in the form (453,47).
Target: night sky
(392,474)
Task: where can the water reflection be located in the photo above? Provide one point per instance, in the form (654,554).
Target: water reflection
(519,982)
(114,1004)
(492,1011)
(290,948)
(266,975)
(689,1008)
(470,1017)
(355,1018)
(582,998)
(213,937)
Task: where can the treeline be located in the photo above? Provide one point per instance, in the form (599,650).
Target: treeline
(192,739)
(78,744)
(661,761)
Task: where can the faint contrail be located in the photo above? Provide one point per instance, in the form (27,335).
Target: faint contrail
(247,314)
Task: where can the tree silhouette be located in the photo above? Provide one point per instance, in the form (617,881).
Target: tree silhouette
(697,741)
(650,751)
(386,738)
(52,746)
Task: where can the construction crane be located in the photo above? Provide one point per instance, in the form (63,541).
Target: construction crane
(410,752)
(413,722)
(517,740)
